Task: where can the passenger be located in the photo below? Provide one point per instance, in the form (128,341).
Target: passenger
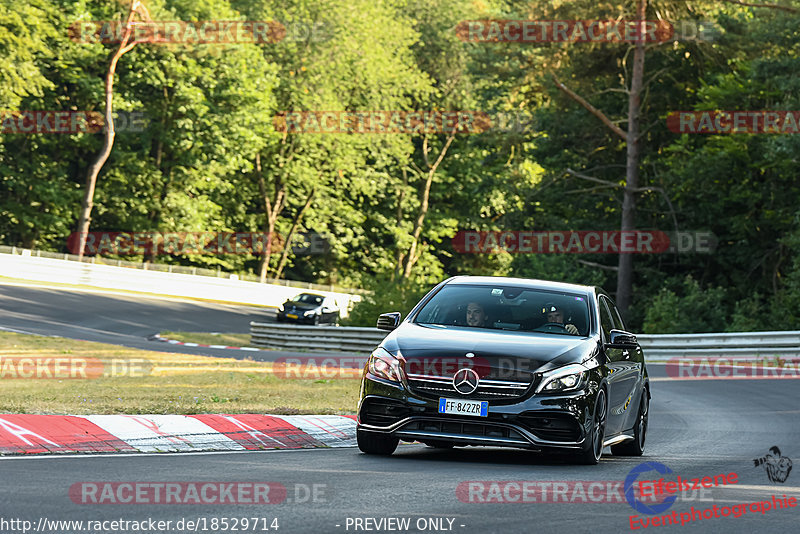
(476,315)
(556,315)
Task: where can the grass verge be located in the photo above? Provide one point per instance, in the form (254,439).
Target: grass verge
(81,377)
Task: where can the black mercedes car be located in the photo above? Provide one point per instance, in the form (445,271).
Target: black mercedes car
(507,362)
(309,308)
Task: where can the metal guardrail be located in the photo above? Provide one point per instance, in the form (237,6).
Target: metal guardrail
(739,345)
(329,338)
(734,345)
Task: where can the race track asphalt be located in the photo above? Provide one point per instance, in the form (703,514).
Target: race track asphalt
(127,320)
(697,428)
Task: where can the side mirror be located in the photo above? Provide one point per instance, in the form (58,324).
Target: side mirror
(389,321)
(621,339)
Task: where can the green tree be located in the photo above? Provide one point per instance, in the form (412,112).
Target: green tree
(692,310)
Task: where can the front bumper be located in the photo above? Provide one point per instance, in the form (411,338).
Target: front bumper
(301,319)
(538,422)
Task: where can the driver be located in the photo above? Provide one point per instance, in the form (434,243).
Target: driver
(556,315)
(476,315)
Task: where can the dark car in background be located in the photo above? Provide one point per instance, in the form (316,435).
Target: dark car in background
(507,362)
(309,308)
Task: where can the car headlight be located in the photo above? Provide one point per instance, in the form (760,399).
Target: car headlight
(567,378)
(309,313)
(383,365)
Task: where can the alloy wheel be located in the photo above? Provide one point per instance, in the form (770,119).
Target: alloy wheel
(599,423)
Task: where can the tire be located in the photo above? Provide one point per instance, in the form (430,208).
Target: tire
(372,443)
(594,450)
(635,447)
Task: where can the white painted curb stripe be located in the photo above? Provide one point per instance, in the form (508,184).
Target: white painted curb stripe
(162,433)
(332,430)
(154,433)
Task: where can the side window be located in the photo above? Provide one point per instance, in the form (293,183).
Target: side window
(616,316)
(606,324)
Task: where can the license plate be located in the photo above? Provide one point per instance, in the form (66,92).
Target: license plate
(291,316)
(463,407)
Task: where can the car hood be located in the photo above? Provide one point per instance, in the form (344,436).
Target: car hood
(495,349)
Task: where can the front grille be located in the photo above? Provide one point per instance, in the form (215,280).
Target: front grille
(551,427)
(464,429)
(488,389)
(382,412)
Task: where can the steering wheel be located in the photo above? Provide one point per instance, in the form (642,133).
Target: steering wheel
(551,327)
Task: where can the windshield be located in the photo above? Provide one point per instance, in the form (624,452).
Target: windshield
(507,308)
(307,298)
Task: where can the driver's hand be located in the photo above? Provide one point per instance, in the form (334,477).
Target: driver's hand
(572,329)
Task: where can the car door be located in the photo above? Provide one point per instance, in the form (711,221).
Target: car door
(329,310)
(614,364)
(626,367)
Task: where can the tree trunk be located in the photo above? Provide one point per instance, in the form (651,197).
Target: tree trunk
(413,255)
(272,209)
(84,221)
(398,259)
(625,265)
(298,216)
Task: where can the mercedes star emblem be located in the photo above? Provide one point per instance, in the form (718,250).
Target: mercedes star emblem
(466,381)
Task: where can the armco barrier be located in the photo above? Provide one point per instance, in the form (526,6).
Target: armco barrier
(737,345)
(346,339)
(28,267)
(746,345)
